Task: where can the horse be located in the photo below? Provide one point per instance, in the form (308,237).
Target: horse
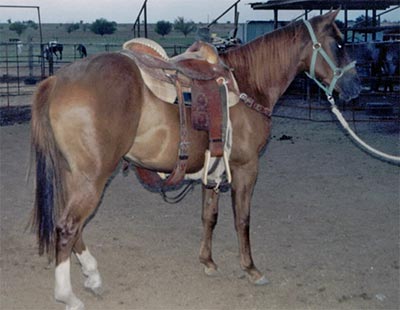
(82,50)
(384,65)
(97,111)
(52,48)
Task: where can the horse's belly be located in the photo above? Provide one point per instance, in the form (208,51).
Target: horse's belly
(156,143)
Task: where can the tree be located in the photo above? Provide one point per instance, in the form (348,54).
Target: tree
(362,22)
(163,27)
(72,27)
(102,26)
(185,27)
(32,24)
(18,27)
(340,24)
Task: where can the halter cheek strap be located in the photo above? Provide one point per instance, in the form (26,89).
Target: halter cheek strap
(337,72)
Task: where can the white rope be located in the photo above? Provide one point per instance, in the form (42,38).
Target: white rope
(391,158)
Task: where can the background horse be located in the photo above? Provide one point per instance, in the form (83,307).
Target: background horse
(96,111)
(52,48)
(81,50)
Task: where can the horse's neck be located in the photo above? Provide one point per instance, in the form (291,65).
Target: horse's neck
(267,67)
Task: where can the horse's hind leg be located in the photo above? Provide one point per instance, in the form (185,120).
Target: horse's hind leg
(209,218)
(89,266)
(83,197)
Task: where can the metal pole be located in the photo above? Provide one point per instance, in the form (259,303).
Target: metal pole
(226,11)
(145,19)
(236,21)
(345,24)
(42,65)
(275,19)
(18,76)
(7,78)
(366,25)
(373,24)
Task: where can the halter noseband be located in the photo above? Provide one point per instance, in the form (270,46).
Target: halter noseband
(337,72)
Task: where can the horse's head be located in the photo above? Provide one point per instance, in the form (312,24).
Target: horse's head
(326,59)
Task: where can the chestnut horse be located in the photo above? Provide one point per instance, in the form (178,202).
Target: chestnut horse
(96,111)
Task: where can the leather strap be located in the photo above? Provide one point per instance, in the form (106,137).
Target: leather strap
(179,171)
(255,106)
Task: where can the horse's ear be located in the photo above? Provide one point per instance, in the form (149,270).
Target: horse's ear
(331,15)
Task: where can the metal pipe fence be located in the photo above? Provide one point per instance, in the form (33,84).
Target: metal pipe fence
(23,65)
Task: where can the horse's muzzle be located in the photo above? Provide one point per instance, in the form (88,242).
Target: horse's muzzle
(349,86)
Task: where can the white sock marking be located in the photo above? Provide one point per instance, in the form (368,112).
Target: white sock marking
(63,289)
(89,269)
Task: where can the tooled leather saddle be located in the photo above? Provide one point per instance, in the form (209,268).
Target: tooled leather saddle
(199,73)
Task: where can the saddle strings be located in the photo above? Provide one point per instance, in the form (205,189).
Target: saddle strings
(178,198)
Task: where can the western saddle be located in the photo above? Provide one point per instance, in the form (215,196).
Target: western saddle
(200,74)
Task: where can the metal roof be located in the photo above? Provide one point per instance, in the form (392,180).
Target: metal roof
(324,4)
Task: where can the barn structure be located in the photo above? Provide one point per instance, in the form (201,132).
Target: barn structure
(372,10)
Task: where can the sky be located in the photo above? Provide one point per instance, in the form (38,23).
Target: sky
(126,11)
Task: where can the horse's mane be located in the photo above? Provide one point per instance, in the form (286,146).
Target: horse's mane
(267,57)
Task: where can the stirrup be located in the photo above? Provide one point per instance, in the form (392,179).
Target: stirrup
(207,158)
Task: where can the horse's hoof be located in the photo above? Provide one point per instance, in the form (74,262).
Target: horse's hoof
(94,285)
(78,306)
(96,291)
(260,281)
(211,271)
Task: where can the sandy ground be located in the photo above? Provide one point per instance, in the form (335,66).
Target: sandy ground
(325,230)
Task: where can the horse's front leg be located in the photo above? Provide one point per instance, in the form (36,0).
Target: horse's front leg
(243,181)
(209,219)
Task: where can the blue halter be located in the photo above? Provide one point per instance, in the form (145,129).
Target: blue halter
(337,72)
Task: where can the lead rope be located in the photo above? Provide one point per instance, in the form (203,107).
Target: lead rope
(370,149)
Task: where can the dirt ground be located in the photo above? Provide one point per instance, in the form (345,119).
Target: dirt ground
(325,230)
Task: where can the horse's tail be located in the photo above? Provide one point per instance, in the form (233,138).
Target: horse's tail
(50,190)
